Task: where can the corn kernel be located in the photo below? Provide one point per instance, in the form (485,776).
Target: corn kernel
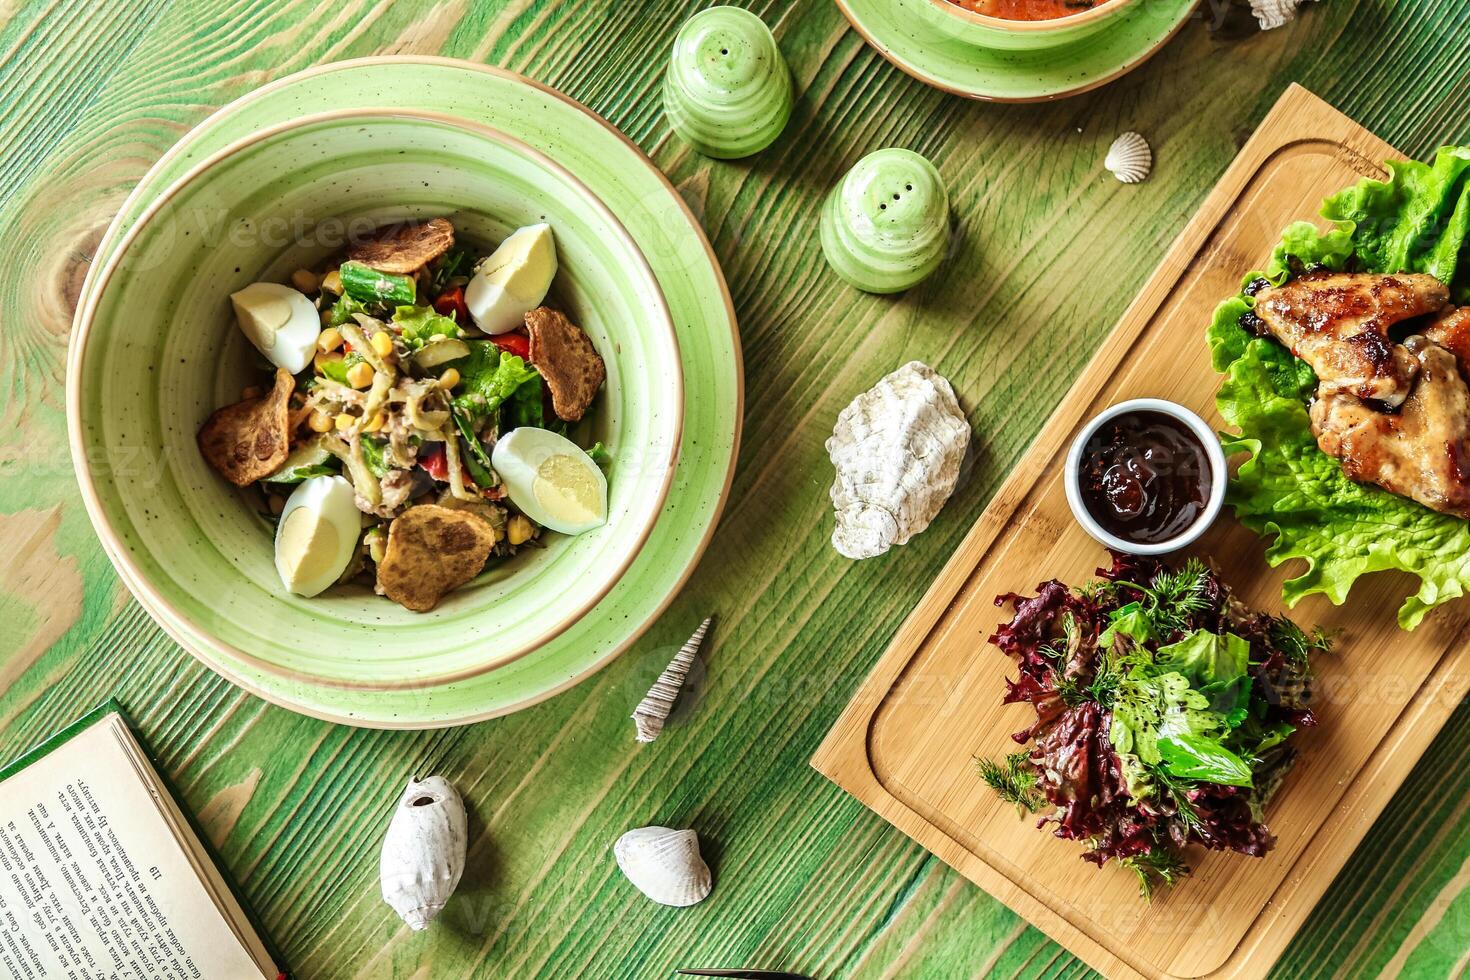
(377,548)
(332,282)
(375,423)
(382,343)
(449,379)
(360,375)
(518,530)
(305,280)
(345,422)
(320,422)
(330,339)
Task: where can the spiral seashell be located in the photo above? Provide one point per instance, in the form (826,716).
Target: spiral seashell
(1129,158)
(655,707)
(897,450)
(1271,14)
(424,851)
(665,865)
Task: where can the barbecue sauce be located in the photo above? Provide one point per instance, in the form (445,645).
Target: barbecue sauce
(1145,477)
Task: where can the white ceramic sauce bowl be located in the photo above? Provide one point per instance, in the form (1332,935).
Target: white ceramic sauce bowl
(1219,477)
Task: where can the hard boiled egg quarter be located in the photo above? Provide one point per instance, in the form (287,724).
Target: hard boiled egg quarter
(317,535)
(551,480)
(513,281)
(280,321)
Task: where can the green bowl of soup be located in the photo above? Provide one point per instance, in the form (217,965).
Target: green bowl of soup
(1022,25)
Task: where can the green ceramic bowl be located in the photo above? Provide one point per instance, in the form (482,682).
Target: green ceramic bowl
(156,351)
(1013,61)
(1019,35)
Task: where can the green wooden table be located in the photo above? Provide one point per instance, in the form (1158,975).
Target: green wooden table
(93,91)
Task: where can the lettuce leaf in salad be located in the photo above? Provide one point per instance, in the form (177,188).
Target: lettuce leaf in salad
(1288,489)
(343,310)
(419,325)
(336,368)
(488,377)
(1216,665)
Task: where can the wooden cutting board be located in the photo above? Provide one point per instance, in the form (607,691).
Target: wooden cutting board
(905,746)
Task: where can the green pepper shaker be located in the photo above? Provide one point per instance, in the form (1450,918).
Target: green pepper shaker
(727,90)
(885,226)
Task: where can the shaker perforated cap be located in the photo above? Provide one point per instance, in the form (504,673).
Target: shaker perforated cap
(727,90)
(885,226)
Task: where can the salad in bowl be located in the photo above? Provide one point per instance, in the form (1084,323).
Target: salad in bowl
(414,423)
(163,362)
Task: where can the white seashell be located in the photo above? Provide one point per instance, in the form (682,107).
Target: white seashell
(1271,14)
(897,450)
(664,864)
(1130,159)
(654,709)
(424,851)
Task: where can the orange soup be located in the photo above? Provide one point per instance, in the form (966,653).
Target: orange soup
(1028,9)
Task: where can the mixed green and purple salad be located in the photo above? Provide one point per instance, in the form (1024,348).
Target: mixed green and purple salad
(1164,710)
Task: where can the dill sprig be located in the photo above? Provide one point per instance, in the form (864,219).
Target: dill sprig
(1171,597)
(1014,780)
(1059,654)
(1177,790)
(1113,664)
(1060,651)
(1174,596)
(1161,864)
(1296,644)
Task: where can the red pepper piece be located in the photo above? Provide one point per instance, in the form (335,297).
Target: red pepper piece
(517,342)
(451,303)
(435,463)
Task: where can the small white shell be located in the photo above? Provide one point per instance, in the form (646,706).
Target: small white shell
(897,450)
(654,709)
(424,850)
(1271,14)
(1130,159)
(665,865)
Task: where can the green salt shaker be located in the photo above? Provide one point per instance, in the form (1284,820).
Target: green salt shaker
(727,90)
(885,226)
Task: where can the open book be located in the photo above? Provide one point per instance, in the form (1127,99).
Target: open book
(102,875)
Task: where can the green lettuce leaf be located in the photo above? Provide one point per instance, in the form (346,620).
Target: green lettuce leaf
(1254,737)
(1417,220)
(1189,756)
(1150,705)
(527,406)
(1287,488)
(344,309)
(373,454)
(1130,621)
(1215,665)
(421,324)
(336,369)
(488,377)
(600,454)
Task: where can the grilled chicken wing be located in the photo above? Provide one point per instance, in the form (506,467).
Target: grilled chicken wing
(1338,323)
(1452,332)
(1422,451)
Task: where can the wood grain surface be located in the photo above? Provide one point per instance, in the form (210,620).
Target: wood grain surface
(906,745)
(1050,253)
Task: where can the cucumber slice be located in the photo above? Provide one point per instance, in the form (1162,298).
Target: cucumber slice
(368,285)
(441,352)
